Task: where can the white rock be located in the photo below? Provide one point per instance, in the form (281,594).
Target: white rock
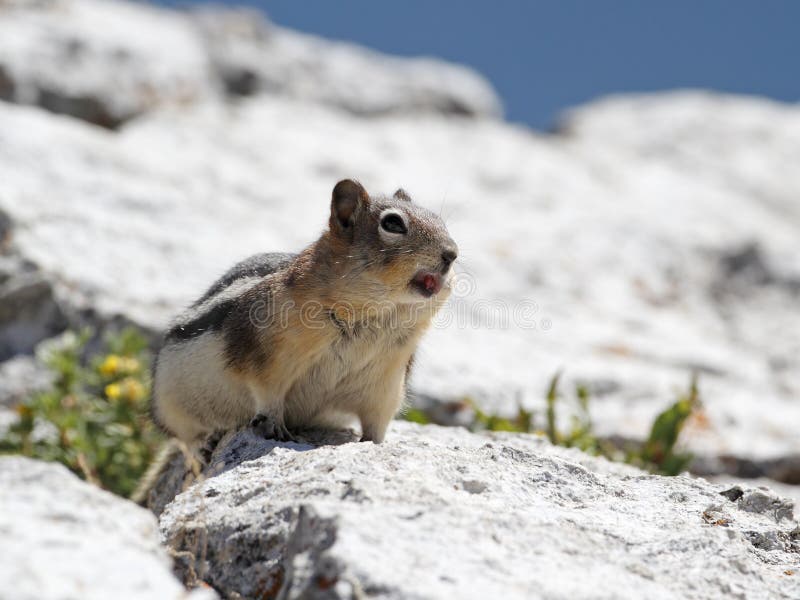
(106,61)
(20,377)
(63,538)
(102,61)
(252,56)
(442,513)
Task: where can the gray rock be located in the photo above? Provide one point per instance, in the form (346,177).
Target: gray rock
(29,312)
(5,220)
(785,469)
(63,538)
(783,489)
(443,513)
(6,86)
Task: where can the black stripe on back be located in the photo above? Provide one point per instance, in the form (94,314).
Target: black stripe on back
(210,320)
(258,265)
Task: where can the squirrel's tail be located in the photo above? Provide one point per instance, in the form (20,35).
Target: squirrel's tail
(147,482)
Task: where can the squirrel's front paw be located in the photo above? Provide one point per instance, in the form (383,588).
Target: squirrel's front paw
(271,428)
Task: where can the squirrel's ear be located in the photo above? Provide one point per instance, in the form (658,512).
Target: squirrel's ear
(401,194)
(347,200)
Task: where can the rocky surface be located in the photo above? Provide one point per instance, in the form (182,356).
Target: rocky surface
(648,238)
(652,236)
(442,513)
(63,538)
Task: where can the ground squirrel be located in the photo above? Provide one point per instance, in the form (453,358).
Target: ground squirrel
(289,341)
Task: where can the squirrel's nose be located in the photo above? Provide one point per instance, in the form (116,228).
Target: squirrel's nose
(448,256)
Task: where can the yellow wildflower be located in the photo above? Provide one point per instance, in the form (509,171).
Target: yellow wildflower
(115,364)
(134,390)
(110,366)
(113,391)
(129,365)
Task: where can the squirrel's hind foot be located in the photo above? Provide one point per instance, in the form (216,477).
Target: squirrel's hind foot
(271,428)
(210,444)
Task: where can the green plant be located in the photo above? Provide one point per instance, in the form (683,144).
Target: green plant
(580,434)
(94,417)
(659,449)
(658,453)
(416,415)
(521,422)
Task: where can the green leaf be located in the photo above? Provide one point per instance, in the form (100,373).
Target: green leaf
(415,415)
(552,398)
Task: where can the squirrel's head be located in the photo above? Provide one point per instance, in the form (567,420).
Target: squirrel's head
(392,240)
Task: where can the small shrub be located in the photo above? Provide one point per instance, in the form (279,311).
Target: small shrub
(94,418)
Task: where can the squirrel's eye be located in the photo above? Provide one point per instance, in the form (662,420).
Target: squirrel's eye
(393,223)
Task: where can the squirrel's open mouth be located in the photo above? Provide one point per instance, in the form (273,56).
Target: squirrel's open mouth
(427,283)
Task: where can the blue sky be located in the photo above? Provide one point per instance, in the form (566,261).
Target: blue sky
(545,56)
